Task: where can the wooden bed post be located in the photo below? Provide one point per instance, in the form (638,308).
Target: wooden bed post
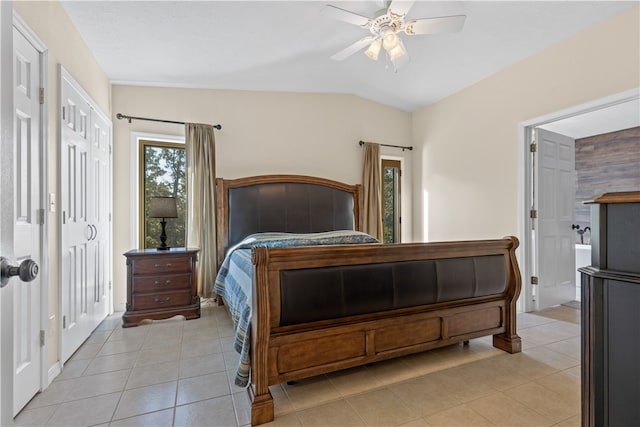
(509,341)
(259,394)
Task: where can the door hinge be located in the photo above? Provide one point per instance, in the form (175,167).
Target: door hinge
(533,214)
(64,217)
(41,216)
(41,95)
(533,147)
(41,338)
(534,280)
(64,322)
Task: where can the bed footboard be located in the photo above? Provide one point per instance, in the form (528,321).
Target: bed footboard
(281,351)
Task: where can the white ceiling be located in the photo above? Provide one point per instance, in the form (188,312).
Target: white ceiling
(286,45)
(625,115)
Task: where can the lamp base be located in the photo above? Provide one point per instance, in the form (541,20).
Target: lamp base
(163,238)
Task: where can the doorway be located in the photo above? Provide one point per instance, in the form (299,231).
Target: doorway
(621,111)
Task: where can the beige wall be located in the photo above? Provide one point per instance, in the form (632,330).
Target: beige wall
(50,23)
(262,133)
(467,165)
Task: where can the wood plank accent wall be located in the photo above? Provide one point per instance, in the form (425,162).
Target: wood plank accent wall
(604,164)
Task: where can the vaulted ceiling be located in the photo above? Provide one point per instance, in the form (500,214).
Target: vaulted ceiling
(287,45)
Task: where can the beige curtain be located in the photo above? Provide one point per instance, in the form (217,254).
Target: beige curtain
(201,201)
(372,192)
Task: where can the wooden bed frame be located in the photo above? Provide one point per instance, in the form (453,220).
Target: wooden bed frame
(286,353)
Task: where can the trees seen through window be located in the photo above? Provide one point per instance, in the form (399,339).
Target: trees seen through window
(163,173)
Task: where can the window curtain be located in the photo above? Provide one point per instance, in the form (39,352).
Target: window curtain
(372,192)
(201,201)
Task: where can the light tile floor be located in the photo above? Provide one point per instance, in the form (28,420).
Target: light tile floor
(180,373)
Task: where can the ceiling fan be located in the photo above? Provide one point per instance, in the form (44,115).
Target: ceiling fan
(386,25)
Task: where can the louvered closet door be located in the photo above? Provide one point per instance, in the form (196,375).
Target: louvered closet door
(85,199)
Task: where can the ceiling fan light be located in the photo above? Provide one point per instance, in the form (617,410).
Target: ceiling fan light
(374,49)
(397,52)
(390,40)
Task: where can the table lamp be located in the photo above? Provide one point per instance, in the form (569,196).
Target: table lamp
(163,207)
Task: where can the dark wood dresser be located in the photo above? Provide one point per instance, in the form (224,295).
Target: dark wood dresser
(161,284)
(611,314)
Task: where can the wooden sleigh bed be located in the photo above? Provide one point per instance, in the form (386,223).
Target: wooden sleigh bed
(322,308)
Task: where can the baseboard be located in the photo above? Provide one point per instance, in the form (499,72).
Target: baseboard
(54,371)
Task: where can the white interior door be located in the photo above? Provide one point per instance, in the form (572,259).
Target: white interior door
(6,169)
(554,237)
(75,231)
(85,199)
(28,219)
(99,215)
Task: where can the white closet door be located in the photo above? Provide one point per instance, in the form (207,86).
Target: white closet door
(99,214)
(85,166)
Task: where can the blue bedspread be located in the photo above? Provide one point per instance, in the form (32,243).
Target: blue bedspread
(233,281)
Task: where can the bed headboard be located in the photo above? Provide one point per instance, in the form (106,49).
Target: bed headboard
(287,203)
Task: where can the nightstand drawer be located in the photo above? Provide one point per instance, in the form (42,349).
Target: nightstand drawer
(161,300)
(165,282)
(161,265)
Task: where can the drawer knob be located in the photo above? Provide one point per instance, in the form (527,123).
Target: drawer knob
(162,301)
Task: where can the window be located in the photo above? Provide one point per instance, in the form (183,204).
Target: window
(391,200)
(162,172)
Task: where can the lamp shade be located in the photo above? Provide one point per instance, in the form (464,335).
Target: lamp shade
(390,40)
(374,49)
(397,52)
(162,207)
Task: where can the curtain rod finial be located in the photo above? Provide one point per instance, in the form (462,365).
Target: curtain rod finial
(121,116)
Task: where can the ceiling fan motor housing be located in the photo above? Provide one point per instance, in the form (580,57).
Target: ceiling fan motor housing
(387,21)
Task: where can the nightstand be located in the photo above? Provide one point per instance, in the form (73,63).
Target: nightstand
(161,284)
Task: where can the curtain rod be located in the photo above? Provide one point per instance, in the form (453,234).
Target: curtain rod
(387,145)
(122,116)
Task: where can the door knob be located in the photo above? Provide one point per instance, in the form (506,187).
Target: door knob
(27,271)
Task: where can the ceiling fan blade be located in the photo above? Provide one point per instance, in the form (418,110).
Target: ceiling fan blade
(400,7)
(345,15)
(443,24)
(350,50)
